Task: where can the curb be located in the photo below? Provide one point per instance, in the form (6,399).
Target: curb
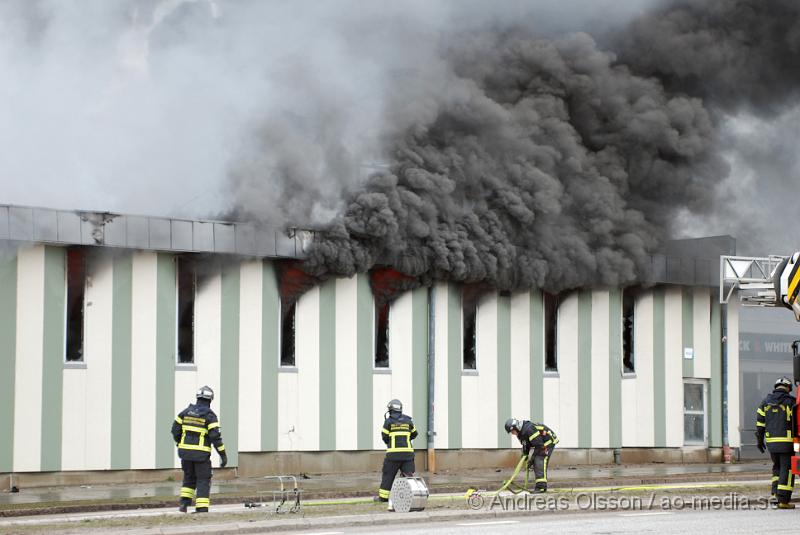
(577,485)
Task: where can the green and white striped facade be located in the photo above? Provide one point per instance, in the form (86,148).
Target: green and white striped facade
(113,411)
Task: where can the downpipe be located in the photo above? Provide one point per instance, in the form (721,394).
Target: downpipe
(726,448)
(431,457)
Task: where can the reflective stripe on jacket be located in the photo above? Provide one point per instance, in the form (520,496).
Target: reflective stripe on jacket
(775,421)
(195,430)
(397,433)
(536,436)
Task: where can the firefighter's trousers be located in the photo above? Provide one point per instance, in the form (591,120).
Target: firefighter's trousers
(782,477)
(196,483)
(390,468)
(538,460)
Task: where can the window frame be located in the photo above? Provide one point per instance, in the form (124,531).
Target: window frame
(375,337)
(634,293)
(80,362)
(704,385)
(475,330)
(293,365)
(559,298)
(192,264)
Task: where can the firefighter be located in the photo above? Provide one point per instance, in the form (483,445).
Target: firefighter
(538,442)
(398,431)
(775,425)
(195,429)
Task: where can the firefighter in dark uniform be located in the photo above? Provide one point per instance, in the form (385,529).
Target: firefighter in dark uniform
(398,431)
(538,442)
(775,431)
(195,430)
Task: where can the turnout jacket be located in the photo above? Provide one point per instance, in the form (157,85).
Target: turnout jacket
(195,430)
(397,433)
(536,437)
(776,421)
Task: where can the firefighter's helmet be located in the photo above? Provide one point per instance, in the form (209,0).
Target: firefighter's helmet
(205,392)
(395,405)
(512,423)
(784,382)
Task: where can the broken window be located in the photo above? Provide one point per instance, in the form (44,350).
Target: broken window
(382,335)
(288,315)
(76,293)
(628,329)
(470,298)
(186,289)
(551,302)
(293,282)
(387,284)
(469,312)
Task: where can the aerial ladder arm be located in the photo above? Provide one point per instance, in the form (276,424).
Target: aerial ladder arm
(772,281)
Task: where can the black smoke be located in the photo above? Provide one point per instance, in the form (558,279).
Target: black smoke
(557,164)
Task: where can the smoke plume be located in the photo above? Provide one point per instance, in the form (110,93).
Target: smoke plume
(553,163)
(545,163)
(520,143)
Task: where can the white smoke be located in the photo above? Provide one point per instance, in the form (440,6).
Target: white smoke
(182,107)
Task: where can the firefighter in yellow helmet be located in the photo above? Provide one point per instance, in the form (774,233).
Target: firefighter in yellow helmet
(397,433)
(195,430)
(775,431)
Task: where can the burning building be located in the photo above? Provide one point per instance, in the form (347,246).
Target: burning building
(109,323)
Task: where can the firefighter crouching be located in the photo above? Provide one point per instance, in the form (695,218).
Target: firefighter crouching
(775,425)
(538,442)
(195,429)
(397,433)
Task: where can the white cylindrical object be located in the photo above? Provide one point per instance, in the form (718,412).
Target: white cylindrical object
(408,494)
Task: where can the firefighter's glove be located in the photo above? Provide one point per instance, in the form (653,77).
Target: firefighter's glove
(223,459)
(760,442)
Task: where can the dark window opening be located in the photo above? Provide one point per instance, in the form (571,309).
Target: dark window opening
(293,282)
(470,311)
(470,297)
(628,326)
(387,284)
(76,292)
(288,316)
(187,287)
(551,302)
(382,335)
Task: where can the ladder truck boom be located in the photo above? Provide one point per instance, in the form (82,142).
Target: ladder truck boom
(772,281)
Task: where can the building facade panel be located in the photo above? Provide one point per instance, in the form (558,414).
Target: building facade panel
(98,342)
(600,407)
(521,387)
(334,398)
(8,354)
(567,349)
(28,370)
(143,359)
(250,372)
(346,364)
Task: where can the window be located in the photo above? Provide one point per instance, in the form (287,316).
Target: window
(293,282)
(186,289)
(470,299)
(288,317)
(382,335)
(76,292)
(694,413)
(551,302)
(628,330)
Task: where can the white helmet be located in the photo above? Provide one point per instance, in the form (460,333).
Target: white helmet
(205,392)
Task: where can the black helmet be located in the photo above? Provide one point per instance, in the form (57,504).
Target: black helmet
(785,382)
(512,423)
(395,405)
(205,392)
